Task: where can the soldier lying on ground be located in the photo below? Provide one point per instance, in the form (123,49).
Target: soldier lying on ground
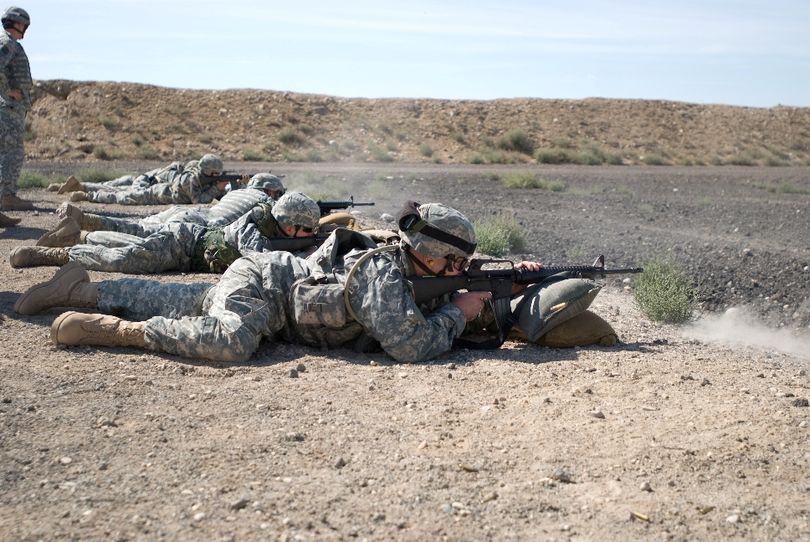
(196,183)
(183,246)
(262,187)
(347,293)
(163,174)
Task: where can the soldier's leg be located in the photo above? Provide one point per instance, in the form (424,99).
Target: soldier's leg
(12,154)
(122,253)
(238,312)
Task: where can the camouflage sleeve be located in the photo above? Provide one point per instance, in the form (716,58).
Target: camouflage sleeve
(244,235)
(6,51)
(384,306)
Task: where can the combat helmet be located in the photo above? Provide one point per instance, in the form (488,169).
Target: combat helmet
(297,209)
(266,181)
(15,15)
(436,230)
(211,164)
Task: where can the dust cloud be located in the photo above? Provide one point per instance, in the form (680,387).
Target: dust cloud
(738,327)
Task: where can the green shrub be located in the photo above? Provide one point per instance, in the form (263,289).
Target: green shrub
(380,154)
(31,179)
(291,136)
(547,155)
(426,150)
(516,140)
(663,292)
(109,123)
(149,153)
(251,155)
(499,235)
(530,180)
(653,159)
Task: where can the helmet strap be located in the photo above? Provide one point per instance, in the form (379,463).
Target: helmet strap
(417,262)
(410,221)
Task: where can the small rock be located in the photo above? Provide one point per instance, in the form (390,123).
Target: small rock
(293,373)
(66,460)
(596,413)
(240,503)
(340,463)
(733,518)
(645,486)
(801,402)
(199,516)
(562,475)
(301,368)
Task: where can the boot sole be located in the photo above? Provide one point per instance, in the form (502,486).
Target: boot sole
(41,289)
(58,324)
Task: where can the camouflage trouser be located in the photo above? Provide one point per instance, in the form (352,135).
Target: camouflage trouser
(169,249)
(121,183)
(154,223)
(225,323)
(12,135)
(157,194)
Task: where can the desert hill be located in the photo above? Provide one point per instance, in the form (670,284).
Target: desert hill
(74,120)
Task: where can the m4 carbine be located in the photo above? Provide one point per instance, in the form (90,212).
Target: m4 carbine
(329,206)
(500,282)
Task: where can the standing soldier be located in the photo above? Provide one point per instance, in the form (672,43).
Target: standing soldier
(15,102)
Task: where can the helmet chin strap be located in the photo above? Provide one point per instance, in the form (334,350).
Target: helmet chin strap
(418,263)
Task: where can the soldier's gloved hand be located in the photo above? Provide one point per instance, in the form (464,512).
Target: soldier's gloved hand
(471,303)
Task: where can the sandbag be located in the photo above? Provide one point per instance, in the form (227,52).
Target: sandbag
(544,306)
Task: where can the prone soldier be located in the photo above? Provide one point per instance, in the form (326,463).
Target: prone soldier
(347,293)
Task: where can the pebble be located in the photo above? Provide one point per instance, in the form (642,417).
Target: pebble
(562,475)
(240,503)
(596,413)
(66,460)
(199,516)
(301,368)
(801,402)
(733,518)
(645,486)
(293,373)
(340,463)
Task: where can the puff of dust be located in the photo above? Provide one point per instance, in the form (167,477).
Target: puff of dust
(738,327)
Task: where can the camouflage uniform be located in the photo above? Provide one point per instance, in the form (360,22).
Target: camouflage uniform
(223,213)
(163,174)
(178,246)
(15,73)
(189,186)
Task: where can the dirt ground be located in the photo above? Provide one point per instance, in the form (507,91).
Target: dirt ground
(663,437)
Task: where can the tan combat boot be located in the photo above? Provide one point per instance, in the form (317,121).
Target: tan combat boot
(11,202)
(65,234)
(69,287)
(78,328)
(7,221)
(36,256)
(78,196)
(71,185)
(66,210)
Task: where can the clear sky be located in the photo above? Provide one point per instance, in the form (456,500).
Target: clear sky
(738,52)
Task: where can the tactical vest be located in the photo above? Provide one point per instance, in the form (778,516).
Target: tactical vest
(319,307)
(212,254)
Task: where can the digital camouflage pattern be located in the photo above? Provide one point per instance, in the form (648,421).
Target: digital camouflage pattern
(446,219)
(187,187)
(170,249)
(297,209)
(164,174)
(15,73)
(265,181)
(211,164)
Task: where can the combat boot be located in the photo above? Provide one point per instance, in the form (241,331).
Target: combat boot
(11,202)
(71,185)
(79,328)
(69,287)
(36,256)
(7,221)
(67,210)
(65,234)
(78,196)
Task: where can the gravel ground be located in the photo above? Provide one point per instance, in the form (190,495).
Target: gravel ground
(668,436)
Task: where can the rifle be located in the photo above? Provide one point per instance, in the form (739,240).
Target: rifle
(500,281)
(329,206)
(294,244)
(234,179)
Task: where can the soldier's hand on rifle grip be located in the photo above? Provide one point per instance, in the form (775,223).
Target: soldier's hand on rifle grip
(529,266)
(471,303)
